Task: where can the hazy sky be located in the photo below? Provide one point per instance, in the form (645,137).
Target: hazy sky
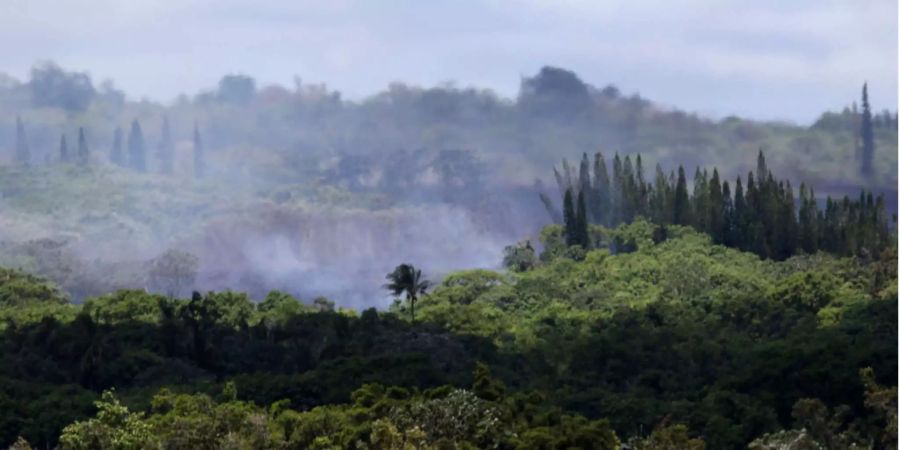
(769,59)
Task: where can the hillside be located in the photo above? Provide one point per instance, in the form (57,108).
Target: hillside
(671,343)
(289,133)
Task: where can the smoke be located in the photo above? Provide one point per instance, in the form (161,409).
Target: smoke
(311,194)
(345,255)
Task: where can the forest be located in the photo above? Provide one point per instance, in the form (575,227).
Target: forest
(258,267)
(674,343)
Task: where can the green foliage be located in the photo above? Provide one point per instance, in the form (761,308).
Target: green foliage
(520,257)
(114,428)
(764,221)
(676,330)
(18,288)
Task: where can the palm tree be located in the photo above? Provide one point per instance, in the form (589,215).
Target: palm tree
(406,278)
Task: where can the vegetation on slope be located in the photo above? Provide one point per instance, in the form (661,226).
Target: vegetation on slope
(663,340)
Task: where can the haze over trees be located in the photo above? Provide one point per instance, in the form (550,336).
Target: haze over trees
(84,154)
(23,153)
(137,159)
(117,156)
(64,150)
(687,283)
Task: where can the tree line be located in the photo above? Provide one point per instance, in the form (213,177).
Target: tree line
(771,348)
(132,156)
(763,217)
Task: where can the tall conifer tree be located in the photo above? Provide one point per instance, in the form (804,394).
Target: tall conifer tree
(584,179)
(581,223)
(600,198)
(84,154)
(681,208)
(715,209)
(137,159)
(866,133)
(569,219)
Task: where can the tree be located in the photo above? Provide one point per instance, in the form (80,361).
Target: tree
(740,215)
(236,89)
(660,206)
(407,279)
(581,223)
(700,200)
(84,155)
(136,157)
(23,154)
(486,386)
(715,210)
(643,188)
(199,158)
(729,222)
(584,180)
(166,149)
(173,272)
(600,196)
(627,192)
(63,149)
(115,427)
(116,156)
(616,195)
(519,257)
(569,219)
(681,208)
(53,87)
(762,171)
(866,134)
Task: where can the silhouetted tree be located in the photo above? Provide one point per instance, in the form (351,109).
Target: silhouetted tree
(407,279)
(581,223)
(569,219)
(681,208)
(136,157)
(237,89)
(51,86)
(84,154)
(866,134)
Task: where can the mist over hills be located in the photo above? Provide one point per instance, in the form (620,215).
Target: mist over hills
(316,195)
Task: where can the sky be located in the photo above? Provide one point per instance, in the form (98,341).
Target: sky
(763,59)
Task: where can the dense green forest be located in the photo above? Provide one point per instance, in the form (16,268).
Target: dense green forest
(666,343)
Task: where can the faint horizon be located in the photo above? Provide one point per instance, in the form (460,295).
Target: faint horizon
(765,61)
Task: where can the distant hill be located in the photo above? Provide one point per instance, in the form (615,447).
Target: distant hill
(555,115)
